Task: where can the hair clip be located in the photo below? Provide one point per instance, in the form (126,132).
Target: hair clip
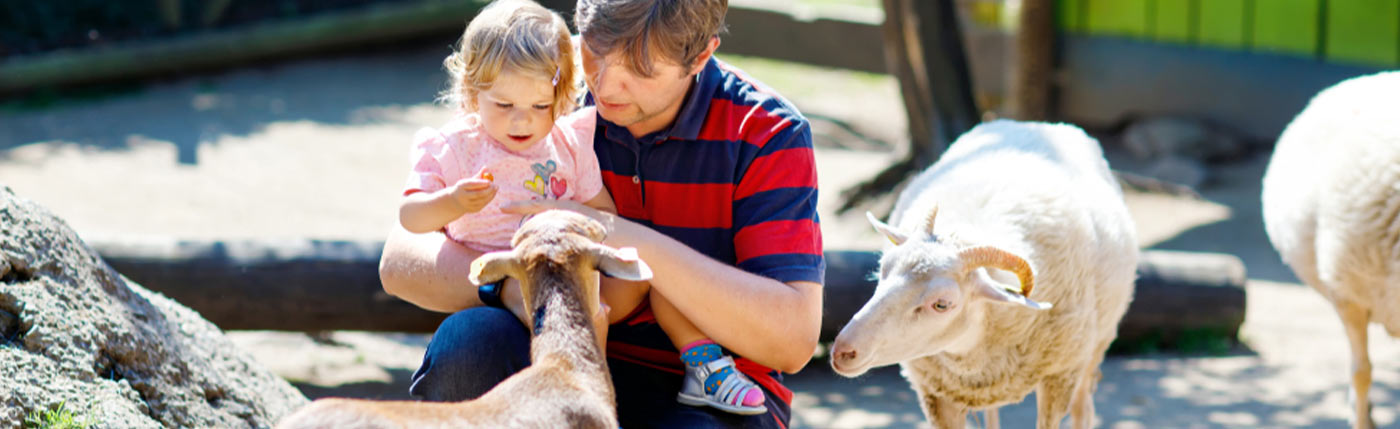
(555,82)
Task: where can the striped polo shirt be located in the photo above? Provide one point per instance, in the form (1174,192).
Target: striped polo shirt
(734,178)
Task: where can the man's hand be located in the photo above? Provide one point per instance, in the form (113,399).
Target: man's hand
(471,194)
(609,220)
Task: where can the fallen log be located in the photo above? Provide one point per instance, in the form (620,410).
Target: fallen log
(287,285)
(1177,294)
(310,285)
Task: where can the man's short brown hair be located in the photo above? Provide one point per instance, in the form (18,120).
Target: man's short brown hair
(649,30)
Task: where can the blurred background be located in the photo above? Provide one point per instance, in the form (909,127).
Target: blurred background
(246,159)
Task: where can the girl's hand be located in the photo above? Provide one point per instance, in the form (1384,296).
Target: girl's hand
(472,194)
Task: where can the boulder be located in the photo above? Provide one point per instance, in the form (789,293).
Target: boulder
(74,331)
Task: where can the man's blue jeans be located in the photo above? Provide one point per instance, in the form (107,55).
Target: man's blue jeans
(477,348)
(472,350)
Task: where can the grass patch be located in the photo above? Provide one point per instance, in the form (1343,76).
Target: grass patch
(1208,342)
(48,98)
(858,3)
(57,418)
(798,82)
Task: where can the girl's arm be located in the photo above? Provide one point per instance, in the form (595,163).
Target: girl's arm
(422,212)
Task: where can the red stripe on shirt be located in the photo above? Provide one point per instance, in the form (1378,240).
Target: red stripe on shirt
(653,358)
(726,120)
(691,205)
(625,194)
(776,237)
(787,168)
(759,374)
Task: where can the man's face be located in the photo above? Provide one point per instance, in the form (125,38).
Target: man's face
(624,97)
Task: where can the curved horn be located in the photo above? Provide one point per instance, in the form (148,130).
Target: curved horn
(988,256)
(928,224)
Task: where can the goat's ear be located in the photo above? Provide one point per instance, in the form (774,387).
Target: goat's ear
(494,266)
(622,263)
(894,235)
(987,287)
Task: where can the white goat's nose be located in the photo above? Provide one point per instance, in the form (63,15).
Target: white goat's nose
(842,355)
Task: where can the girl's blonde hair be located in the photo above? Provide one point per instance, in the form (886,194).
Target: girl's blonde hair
(516,35)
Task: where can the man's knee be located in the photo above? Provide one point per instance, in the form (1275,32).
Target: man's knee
(472,351)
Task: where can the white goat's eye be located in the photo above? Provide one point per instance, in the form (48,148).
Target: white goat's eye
(942,305)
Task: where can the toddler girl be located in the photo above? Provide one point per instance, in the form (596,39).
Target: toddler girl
(513,78)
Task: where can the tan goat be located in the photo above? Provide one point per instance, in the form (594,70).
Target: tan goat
(556,256)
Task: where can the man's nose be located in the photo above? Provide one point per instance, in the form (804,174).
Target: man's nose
(606,79)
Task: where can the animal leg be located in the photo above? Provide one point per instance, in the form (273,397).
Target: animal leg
(1354,319)
(1052,399)
(943,413)
(1081,413)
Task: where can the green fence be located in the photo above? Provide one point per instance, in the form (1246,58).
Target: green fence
(1345,31)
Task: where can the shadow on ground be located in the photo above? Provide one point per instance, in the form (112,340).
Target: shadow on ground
(396,388)
(189,112)
(1136,392)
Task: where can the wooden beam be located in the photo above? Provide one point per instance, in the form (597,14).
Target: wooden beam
(825,41)
(308,285)
(289,285)
(201,51)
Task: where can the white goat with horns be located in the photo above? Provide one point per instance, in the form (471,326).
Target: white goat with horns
(1018,286)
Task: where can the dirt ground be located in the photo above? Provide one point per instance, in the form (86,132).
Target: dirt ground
(318,148)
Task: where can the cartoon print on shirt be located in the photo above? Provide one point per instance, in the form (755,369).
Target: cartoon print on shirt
(558,186)
(536,185)
(544,184)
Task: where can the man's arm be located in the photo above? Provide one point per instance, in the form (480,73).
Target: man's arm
(770,322)
(431,272)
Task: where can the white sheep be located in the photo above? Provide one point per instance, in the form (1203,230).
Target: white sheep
(1331,196)
(1017,205)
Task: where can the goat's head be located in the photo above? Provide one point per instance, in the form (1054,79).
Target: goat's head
(569,241)
(932,296)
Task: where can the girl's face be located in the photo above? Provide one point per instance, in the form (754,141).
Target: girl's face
(518,110)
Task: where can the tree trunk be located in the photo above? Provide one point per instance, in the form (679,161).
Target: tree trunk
(924,50)
(1030,84)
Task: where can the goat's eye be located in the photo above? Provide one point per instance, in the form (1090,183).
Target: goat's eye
(942,305)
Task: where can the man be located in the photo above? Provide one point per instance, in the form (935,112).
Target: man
(715,184)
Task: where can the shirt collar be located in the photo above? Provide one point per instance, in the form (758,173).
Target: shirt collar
(689,119)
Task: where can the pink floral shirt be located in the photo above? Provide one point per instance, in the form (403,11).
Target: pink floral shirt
(562,166)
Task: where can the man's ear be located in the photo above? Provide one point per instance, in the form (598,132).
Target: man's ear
(704,57)
(622,263)
(987,287)
(493,267)
(894,235)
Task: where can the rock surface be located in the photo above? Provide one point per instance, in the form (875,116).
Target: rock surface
(73,330)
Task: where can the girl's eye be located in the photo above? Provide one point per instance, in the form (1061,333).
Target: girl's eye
(504,105)
(941,305)
(541,107)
